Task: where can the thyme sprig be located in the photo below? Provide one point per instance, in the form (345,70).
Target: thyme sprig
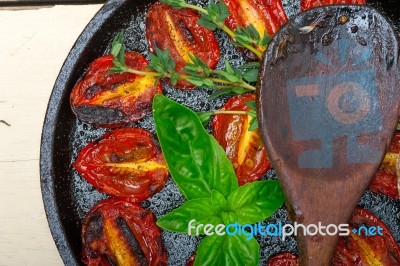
(229,80)
(251,36)
(213,16)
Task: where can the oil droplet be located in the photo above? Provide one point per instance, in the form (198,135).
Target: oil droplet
(389,60)
(327,39)
(322,24)
(361,41)
(343,19)
(290,38)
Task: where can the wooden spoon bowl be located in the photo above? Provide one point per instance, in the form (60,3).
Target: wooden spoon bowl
(328,103)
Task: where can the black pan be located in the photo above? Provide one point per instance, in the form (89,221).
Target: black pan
(67,197)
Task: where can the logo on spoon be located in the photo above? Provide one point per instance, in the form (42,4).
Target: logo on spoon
(348,99)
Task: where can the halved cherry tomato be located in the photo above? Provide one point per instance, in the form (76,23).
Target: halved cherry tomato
(307,4)
(112,100)
(386,180)
(367,250)
(244,148)
(267,17)
(178,31)
(116,232)
(190,261)
(283,259)
(358,249)
(125,163)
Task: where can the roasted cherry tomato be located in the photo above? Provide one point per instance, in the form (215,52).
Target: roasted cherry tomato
(358,249)
(112,100)
(361,249)
(178,31)
(190,261)
(386,180)
(244,148)
(283,259)
(125,163)
(267,17)
(307,4)
(116,232)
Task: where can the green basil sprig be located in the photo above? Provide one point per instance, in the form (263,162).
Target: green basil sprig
(205,176)
(227,250)
(196,161)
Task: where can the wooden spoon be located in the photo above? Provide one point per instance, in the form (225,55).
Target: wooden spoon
(328,103)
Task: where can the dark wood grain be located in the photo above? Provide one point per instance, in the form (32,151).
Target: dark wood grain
(328,102)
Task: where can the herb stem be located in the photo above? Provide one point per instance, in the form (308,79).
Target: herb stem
(142,73)
(238,84)
(232,34)
(227,112)
(184,76)
(220,24)
(198,8)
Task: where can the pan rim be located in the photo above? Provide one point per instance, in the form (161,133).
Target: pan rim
(48,136)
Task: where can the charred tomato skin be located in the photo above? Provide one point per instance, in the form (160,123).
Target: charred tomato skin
(386,180)
(267,16)
(112,100)
(178,31)
(125,163)
(244,148)
(116,232)
(384,248)
(307,4)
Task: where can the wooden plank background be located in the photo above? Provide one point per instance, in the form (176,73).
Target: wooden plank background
(33,46)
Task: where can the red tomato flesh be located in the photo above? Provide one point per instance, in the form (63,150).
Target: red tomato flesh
(367,250)
(112,100)
(125,163)
(244,148)
(386,180)
(267,17)
(178,31)
(116,232)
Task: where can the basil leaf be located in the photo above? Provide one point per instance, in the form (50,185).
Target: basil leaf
(196,161)
(256,201)
(218,201)
(227,250)
(229,217)
(201,210)
(204,117)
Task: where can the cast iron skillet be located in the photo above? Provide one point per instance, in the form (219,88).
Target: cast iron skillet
(67,197)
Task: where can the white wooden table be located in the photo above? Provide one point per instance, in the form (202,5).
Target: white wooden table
(33,46)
